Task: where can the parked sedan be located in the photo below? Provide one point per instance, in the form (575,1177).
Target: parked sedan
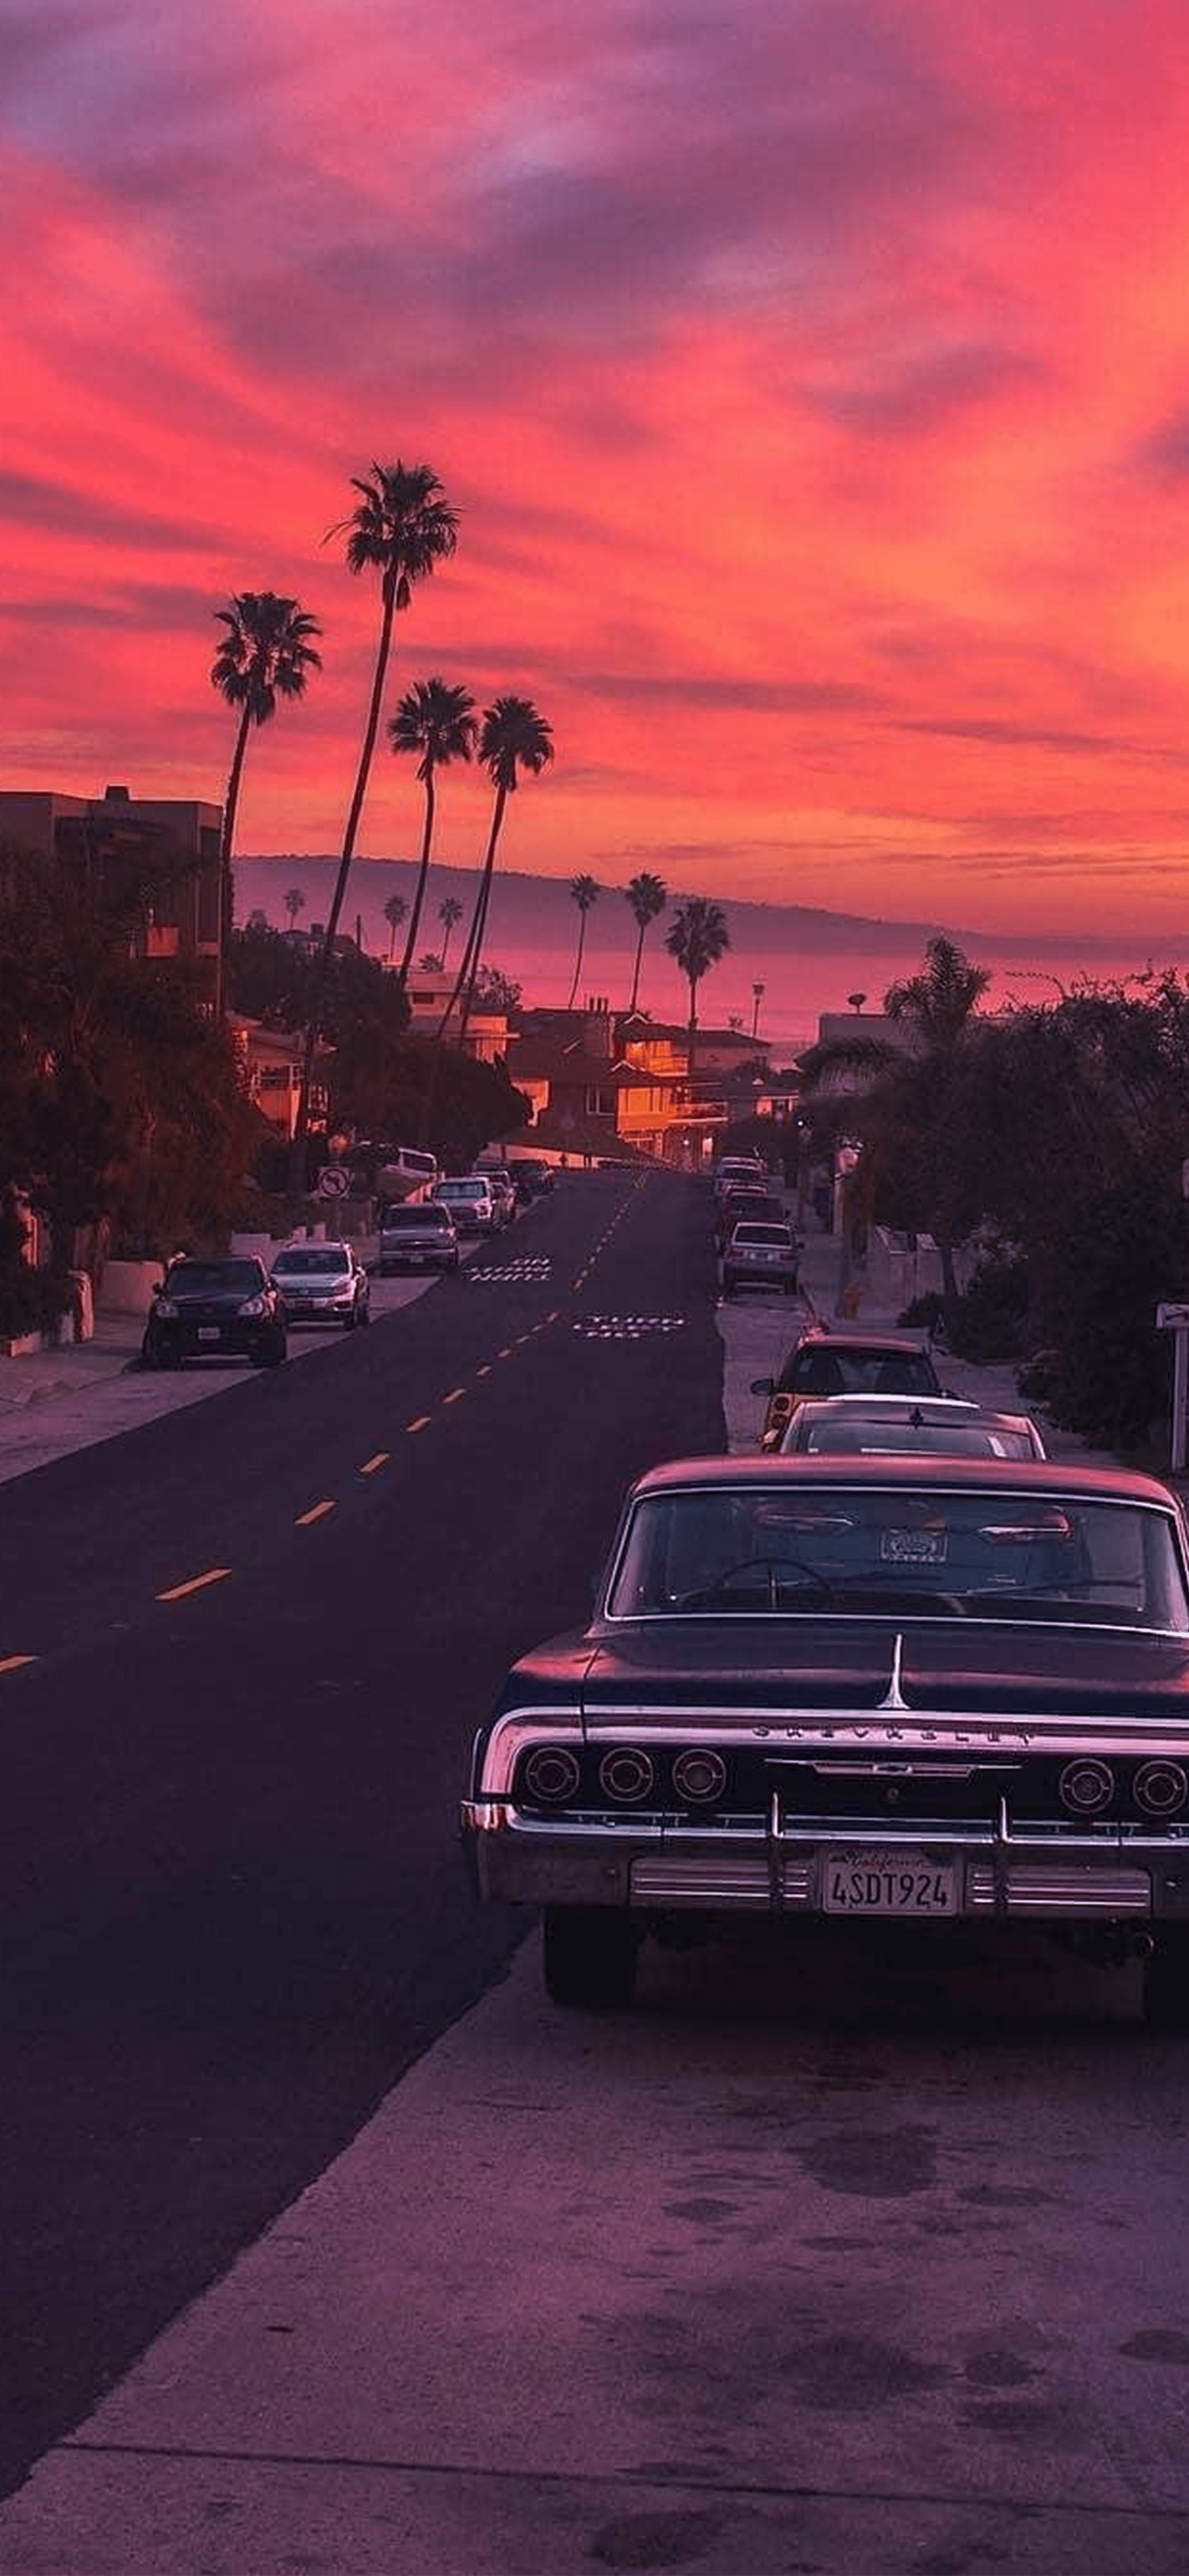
(934,1692)
(322,1283)
(417,1235)
(469,1201)
(215,1309)
(873,1426)
(503,1190)
(760,1256)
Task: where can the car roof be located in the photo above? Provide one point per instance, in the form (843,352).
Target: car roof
(323,1243)
(902,1408)
(992,1475)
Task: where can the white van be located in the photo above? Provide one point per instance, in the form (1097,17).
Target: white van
(406,1170)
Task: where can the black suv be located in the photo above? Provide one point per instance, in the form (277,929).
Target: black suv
(215,1309)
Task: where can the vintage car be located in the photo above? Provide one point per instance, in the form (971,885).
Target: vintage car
(913,1690)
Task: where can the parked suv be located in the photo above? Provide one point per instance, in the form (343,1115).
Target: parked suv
(417,1235)
(215,1309)
(322,1283)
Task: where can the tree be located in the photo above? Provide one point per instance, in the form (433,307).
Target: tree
(698,937)
(267,653)
(439,724)
(938,1000)
(402,527)
(584,892)
(294,902)
(394,913)
(449,914)
(514,738)
(647,896)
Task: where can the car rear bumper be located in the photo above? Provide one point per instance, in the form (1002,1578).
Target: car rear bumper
(661,1867)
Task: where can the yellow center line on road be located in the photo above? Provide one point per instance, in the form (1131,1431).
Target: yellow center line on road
(370,1465)
(13,1663)
(485,1371)
(317,1512)
(506,1352)
(422,1422)
(455,1396)
(197,1583)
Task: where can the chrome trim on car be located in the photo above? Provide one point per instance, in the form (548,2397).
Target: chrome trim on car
(1039,1888)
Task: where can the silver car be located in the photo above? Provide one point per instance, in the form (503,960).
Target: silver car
(880,1426)
(322,1283)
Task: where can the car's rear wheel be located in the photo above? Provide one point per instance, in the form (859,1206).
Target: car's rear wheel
(590,1955)
(1166,1980)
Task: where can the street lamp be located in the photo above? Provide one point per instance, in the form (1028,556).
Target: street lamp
(757,992)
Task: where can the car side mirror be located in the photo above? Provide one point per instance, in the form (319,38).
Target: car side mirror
(762,1386)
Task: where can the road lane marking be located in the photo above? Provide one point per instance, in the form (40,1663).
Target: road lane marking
(197,1583)
(370,1465)
(13,1663)
(455,1395)
(485,1371)
(317,1512)
(506,1352)
(422,1422)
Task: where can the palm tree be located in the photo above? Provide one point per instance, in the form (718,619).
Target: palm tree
(449,913)
(295,902)
(647,896)
(439,724)
(401,527)
(697,939)
(267,653)
(514,737)
(938,1000)
(394,913)
(584,893)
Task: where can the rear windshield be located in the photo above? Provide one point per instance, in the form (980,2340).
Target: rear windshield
(463,1190)
(414,1220)
(772,1234)
(812,1371)
(931,1550)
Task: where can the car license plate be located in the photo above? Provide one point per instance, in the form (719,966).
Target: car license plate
(416,1259)
(886,1882)
(210,1332)
(913,1547)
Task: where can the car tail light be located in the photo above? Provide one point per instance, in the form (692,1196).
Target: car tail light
(699,1776)
(626,1775)
(1086,1787)
(551,1773)
(1160,1788)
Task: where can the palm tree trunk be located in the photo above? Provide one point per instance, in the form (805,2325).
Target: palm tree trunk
(692,1034)
(470,955)
(322,962)
(481,911)
(226,846)
(636,976)
(422,874)
(577,961)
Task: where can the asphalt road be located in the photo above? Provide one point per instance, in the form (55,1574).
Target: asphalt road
(258,1635)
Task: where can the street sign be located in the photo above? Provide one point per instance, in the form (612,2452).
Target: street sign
(1173,1319)
(333,1181)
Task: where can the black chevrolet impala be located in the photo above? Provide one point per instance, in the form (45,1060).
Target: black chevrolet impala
(889,1689)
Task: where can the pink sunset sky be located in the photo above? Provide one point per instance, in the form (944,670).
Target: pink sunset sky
(812,382)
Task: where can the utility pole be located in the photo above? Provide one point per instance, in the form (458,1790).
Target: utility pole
(758,991)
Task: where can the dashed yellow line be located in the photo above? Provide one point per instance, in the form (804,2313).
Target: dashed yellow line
(422,1422)
(13,1663)
(506,1352)
(197,1583)
(370,1465)
(317,1512)
(485,1371)
(455,1396)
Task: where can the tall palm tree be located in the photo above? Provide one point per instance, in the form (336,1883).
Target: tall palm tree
(294,902)
(439,724)
(449,913)
(514,738)
(267,653)
(394,913)
(584,892)
(401,527)
(697,939)
(647,896)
